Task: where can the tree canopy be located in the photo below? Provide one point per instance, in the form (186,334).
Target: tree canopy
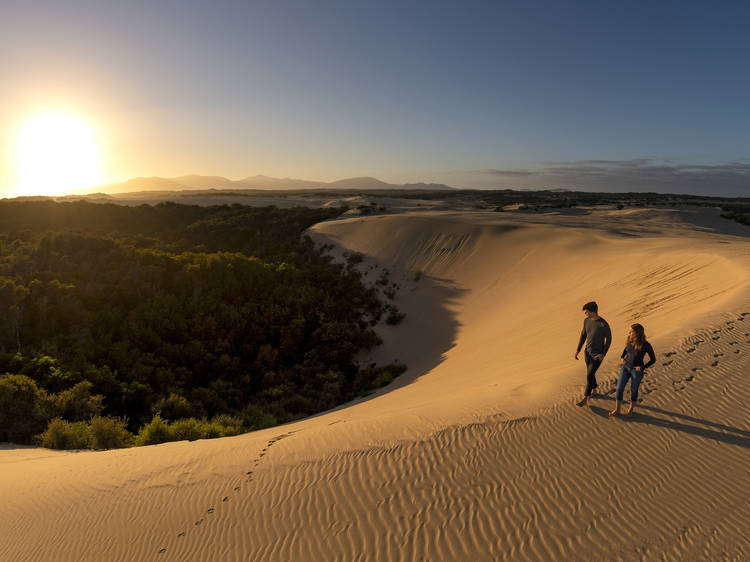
(180,311)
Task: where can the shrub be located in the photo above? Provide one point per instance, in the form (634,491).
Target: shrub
(159,430)
(255,417)
(394,316)
(77,403)
(23,409)
(370,378)
(384,278)
(382,379)
(61,434)
(109,433)
(175,407)
(226,425)
(354,258)
(155,431)
(187,429)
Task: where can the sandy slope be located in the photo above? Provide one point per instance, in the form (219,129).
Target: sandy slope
(475,452)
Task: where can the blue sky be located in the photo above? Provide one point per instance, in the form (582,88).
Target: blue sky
(591,95)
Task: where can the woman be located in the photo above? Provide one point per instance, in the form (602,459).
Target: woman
(632,366)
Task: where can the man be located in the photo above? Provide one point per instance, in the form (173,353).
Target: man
(597,336)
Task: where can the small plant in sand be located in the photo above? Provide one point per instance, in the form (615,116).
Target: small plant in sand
(394,316)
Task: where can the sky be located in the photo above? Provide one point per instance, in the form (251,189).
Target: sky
(606,96)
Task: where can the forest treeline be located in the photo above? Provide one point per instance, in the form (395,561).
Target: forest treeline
(123,325)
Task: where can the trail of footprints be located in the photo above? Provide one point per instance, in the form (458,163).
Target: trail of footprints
(248,478)
(693,344)
(679,384)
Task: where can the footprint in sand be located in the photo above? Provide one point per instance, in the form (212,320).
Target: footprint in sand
(180,535)
(715,338)
(667,363)
(696,369)
(210,510)
(162,550)
(689,378)
(690,350)
(730,328)
(729,323)
(714,363)
(199,522)
(736,350)
(236,488)
(717,331)
(718,354)
(225,499)
(669,353)
(733,343)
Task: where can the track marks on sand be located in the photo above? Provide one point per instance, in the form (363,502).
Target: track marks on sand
(719,345)
(558,485)
(248,477)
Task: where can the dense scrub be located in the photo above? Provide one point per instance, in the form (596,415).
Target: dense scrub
(122,313)
(741,216)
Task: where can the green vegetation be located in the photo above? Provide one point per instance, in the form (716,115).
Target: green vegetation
(738,216)
(159,430)
(147,324)
(98,433)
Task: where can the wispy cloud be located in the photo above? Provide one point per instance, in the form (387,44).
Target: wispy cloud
(638,174)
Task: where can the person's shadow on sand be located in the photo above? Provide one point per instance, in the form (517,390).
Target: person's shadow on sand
(727,434)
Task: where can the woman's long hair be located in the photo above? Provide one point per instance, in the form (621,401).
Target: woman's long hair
(640,336)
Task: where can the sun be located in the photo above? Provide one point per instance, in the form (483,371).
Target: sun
(56,153)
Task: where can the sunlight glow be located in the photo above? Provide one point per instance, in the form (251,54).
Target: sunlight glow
(56,153)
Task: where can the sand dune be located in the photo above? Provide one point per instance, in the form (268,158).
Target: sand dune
(475,452)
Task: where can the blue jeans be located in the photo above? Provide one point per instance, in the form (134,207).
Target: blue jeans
(635,377)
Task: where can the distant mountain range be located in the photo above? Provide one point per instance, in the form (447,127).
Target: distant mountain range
(192,182)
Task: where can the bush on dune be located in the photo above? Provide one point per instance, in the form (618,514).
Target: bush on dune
(77,403)
(23,408)
(159,430)
(99,433)
(154,432)
(254,417)
(61,434)
(109,433)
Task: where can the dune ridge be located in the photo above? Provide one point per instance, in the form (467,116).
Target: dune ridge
(475,452)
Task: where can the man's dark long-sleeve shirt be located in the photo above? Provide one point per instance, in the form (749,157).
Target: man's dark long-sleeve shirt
(596,335)
(634,357)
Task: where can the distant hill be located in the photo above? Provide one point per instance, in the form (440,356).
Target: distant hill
(362,183)
(204,182)
(141,184)
(266,182)
(196,182)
